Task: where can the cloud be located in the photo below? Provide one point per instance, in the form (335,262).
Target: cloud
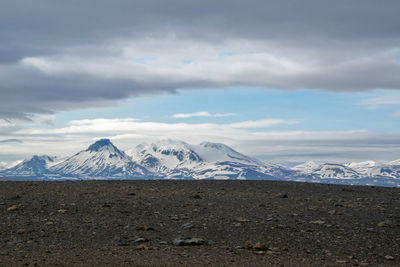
(11,141)
(261,123)
(201,114)
(248,137)
(50,62)
(397,114)
(377,102)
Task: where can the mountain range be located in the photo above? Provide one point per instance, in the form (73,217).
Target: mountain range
(170,159)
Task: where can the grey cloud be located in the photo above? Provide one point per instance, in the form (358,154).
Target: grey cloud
(11,141)
(338,45)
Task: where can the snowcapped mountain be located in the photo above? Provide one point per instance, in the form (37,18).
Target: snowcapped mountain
(35,166)
(169,159)
(101,160)
(177,159)
(335,171)
(391,169)
(364,168)
(217,152)
(3,165)
(307,167)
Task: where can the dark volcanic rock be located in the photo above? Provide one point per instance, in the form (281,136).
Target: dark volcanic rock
(251,223)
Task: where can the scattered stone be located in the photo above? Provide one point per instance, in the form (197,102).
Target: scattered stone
(386,224)
(341,261)
(248,244)
(242,220)
(14,208)
(163,243)
(22,231)
(141,240)
(319,222)
(281,195)
(347,189)
(389,258)
(197,196)
(62,211)
(239,247)
(144,228)
(260,246)
(132,194)
(332,212)
(187,226)
(260,252)
(143,247)
(190,241)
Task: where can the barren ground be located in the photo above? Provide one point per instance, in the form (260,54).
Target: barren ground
(232,223)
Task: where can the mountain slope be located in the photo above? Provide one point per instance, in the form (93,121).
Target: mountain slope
(307,167)
(166,157)
(34,167)
(176,159)
(101,160)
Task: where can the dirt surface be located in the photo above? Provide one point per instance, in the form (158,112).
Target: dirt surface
(193,223)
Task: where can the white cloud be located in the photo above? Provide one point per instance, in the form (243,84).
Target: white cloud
(397,114)
(261,123)
(377,102)
(202,114)
(247,137)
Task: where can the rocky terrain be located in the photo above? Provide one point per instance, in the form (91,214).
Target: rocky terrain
(194,223)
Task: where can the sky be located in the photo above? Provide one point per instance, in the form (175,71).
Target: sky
(283,81)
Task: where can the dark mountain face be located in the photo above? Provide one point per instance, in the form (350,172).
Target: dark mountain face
(97,146)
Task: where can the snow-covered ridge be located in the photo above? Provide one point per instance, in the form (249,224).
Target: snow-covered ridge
(171,159)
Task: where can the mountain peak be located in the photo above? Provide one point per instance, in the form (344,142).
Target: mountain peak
(98,145)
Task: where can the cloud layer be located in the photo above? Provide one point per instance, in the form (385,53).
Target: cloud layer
(202,114)
(250,137)
(64,56)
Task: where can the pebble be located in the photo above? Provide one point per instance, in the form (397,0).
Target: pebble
(144,228)
(389,258)
(260,246)
(187,226)
(62,211)
(143,247)
(242,220)
(141,240)
(248,244)
(190,241)
(385,224)
(22,231)
(14,208)
(319,222)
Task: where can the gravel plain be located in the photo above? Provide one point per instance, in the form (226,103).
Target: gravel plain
(197,223)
